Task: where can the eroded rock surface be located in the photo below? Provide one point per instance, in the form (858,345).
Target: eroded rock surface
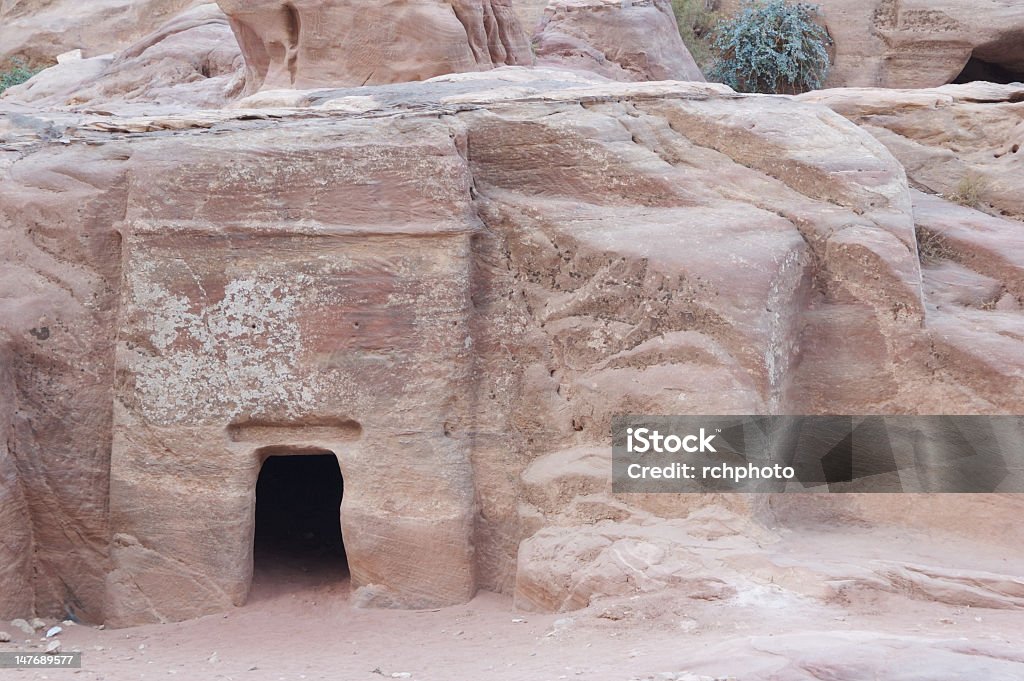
(193,61)
(307,43)
(61,288)
(922,43)
(453,286)
(17,592)
(39,30)
(632,41)
(961,141)
(565,568)
(529,13)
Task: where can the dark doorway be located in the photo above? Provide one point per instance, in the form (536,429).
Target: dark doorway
(297,541)
(978,69)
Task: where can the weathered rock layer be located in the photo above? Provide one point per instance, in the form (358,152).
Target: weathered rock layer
(443,283)
(623,41)
(192,61)
(306,43)
(39,30)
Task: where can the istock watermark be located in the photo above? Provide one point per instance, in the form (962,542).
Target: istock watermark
(690,454)
(651,440)
(643,440)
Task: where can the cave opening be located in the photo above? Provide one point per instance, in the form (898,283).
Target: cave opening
(297,541)
(979,69)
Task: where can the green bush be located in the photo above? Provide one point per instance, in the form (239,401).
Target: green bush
(696,19)
(16,73)
(771,46)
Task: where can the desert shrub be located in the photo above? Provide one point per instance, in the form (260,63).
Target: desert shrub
(16,73)
(771,46)
(931,245)
(970,190)
(696,19)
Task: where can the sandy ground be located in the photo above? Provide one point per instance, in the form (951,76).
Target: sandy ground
(301,625)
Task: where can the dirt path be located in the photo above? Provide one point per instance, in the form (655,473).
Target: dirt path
(301,625)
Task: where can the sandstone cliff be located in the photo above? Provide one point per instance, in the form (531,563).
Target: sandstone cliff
(216,250)
(39,30)
(310,43)
(191,61)
(635,41)
(449,284)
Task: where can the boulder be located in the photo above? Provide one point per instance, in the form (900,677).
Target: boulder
(310,43)
(562,569)
(628,41)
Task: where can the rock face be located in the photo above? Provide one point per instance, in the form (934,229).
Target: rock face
(638,40)
(921,43)
(452,287)
(192,61)
(39,30)
(16,588)
(357,343)
(57,366)
(308,43)
(529,13)
(982,122)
